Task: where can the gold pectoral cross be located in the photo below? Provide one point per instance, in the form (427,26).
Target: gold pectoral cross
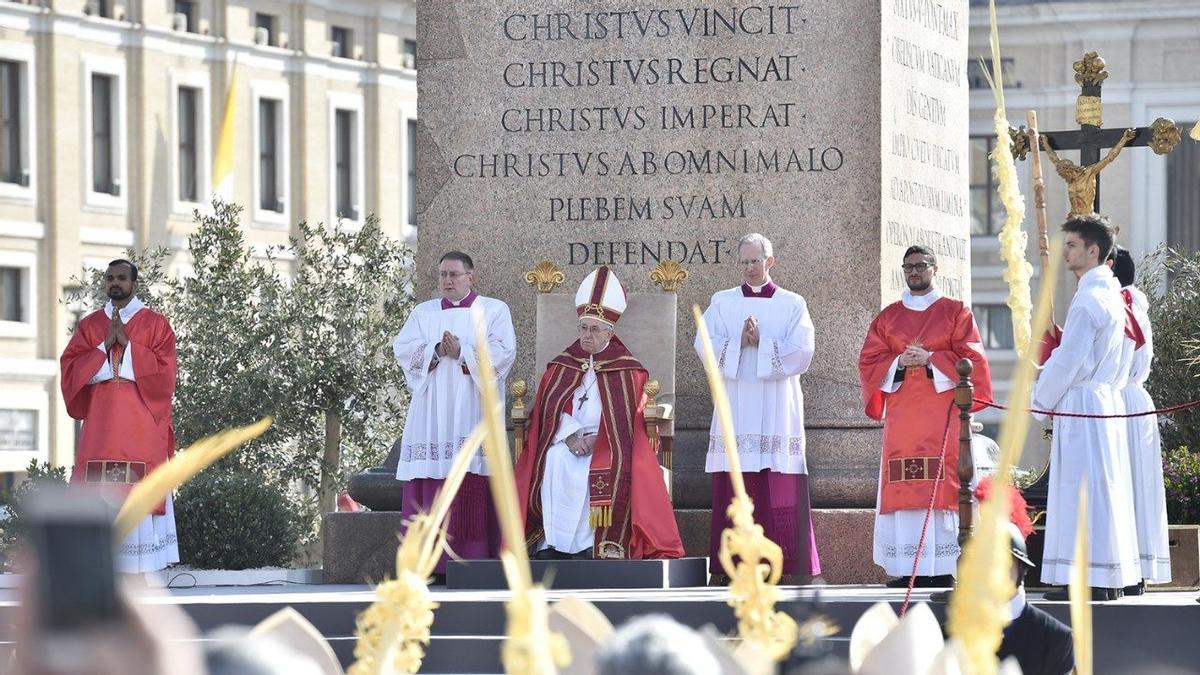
(115,359)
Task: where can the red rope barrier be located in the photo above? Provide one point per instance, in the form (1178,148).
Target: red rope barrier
(912,579)
(1054,413)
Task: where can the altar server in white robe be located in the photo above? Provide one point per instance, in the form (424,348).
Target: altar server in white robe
(1145,446)
(1083,375)
(436,350)
(763,338)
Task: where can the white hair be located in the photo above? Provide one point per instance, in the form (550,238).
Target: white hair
(656,644)
(756,238)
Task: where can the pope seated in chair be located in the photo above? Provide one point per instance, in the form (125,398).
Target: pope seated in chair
(589,483)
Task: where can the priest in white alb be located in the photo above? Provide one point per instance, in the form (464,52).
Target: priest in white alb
(1145,446)
(436,349)
(763,339)
(1084,374)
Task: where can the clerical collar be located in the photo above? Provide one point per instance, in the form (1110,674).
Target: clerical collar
(132,307)
(465,302)
(765,291)
(920,303)
(1017,605)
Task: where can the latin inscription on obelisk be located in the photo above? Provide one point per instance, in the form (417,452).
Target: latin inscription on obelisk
(626,133)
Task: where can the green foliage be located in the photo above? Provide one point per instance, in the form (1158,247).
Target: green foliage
(230,322)
(1181,480)
(37,474)
(351,293)
(234,520)
(1171,281)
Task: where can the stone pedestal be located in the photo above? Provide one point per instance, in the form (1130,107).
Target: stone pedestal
(360,547)
(1185,556)
(625,135)
(844,542)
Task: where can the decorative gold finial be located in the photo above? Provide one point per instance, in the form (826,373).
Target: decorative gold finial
(651,389)
(1020,142)
(668,275)
(518,389)
(546,276)
(1166,136)
(1090,70)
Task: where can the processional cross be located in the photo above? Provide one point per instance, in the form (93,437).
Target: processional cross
(1083,179)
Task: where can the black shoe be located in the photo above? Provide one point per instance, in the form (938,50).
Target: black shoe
(1098,595)
(1137,589)
(550,553)
(899,582)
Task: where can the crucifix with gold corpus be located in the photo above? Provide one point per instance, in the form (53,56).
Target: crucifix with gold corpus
(1083,179)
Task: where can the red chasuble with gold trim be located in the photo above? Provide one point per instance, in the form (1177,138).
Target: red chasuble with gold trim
(914,417)
(127,429)
(630,508)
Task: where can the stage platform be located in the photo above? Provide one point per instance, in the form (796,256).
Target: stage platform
(1155,633)
(479,575)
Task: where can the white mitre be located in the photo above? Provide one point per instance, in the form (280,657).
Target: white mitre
(882,644)
(601,297)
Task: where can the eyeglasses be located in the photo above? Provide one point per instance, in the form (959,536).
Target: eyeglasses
(593,330)
(916,267)
(452,275)
(750,263)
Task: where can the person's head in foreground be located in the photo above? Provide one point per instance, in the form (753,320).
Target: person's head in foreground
(656,644)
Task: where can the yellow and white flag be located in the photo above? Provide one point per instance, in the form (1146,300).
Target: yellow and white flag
(222,177)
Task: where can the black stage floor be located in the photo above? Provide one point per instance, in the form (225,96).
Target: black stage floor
(1155,633)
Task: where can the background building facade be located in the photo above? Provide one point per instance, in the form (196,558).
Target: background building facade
(1152,51)
(109,115)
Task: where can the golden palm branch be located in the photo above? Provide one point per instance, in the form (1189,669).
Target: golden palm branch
(753,578)
(393,632)
(1013,240)
(531,648)
(978,608)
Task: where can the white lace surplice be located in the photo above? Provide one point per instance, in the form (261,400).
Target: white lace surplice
(445,403)
(763,382)
(153,544)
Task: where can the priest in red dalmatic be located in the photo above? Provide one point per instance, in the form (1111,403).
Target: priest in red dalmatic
(590,485)
(118,377)
(908,375)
